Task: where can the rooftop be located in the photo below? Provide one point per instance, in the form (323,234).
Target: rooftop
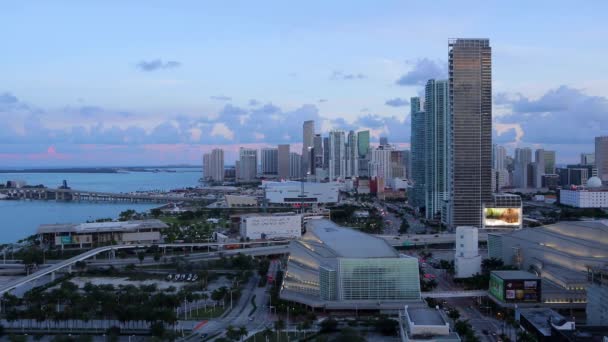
(425,316)
(96,227)
(540,317)
(507,275)
(348,242)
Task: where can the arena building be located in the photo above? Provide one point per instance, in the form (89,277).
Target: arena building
(334,267)
(292,192)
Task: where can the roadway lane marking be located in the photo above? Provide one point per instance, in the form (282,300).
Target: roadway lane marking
(200,325)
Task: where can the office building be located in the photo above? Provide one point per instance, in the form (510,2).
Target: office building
(334,267)
(541,322)
(352,155)
(513,288)
(270,161)
(470,152)
(247,165)
(317,144)
(549,160)
(418,138)
(275,226)
(499,157)
(397,165)
(573,176)
(467,260)
(295,165)
(283,161)
(436,146)
(523,158)
(214,170)
(326,153)
(587,158)
(308,133)
(363,151)
(383,141)
(601,157)
(337,155)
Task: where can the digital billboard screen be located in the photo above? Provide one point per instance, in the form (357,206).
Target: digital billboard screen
(522,290)
(502,217)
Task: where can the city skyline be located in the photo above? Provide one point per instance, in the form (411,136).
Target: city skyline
(82,94)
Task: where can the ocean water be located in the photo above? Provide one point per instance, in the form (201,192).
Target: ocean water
(19,219)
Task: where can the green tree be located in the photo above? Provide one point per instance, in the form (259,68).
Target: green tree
(454,314)
(328,325)
(404,227)
(156,212)
(157,329)
(141,256)
(386,326)
(126,215)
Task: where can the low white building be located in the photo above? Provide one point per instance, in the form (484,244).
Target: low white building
(425,324)
(584,198)
(467,261)
(292,192)
(256,226)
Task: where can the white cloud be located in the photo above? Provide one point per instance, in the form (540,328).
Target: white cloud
(220,129)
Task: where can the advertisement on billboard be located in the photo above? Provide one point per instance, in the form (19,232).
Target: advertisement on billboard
(502,217)
(522,291)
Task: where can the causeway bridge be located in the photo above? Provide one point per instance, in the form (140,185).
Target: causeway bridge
(60,194)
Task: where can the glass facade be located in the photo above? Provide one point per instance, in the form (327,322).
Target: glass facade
(470,96)
(379,279)
(436,146)
(418,138)
(327,283)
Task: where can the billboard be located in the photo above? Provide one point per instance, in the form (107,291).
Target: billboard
(502,217)
(515,290)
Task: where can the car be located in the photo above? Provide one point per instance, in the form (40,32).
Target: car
(396,238)
(195,277)
(485,332)
(169,277)
(189,277)
(250,319)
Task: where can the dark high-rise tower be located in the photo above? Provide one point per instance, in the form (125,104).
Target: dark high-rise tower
(418,144)
(470,140)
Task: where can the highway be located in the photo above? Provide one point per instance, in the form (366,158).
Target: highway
(88,254)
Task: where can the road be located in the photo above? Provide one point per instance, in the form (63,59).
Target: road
(239,315)
(481,323)
(93,252)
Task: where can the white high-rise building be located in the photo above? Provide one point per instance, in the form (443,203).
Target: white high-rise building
(467,261)
(213,165)
(248,164)
(337,155)
(380,162)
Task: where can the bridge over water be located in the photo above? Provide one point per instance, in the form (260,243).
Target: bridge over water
(93,196)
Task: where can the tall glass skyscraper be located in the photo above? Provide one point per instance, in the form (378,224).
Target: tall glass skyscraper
(470,153)
(436,147)
(418,137)
(363,151)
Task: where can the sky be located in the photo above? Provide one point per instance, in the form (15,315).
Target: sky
(114,83)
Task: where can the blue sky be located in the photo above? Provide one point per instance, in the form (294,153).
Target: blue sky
(149,82)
